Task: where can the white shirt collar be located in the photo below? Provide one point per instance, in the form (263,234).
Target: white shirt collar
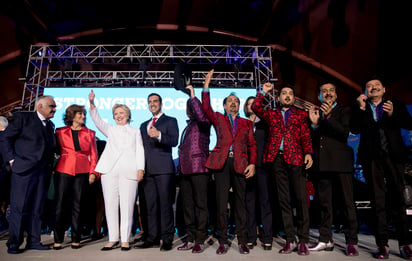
(158,115)
(41,117)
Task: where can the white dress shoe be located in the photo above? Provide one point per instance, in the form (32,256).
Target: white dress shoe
(320,246)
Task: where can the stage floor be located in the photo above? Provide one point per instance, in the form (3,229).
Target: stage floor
(91,251)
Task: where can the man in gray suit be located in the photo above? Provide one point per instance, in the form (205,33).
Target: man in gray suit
(29,145)
(333,167)
(160,134)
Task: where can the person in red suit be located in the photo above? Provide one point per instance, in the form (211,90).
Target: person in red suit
(74,169)
(232,161)
(288,151)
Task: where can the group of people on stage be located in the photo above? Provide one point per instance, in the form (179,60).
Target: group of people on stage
(268,152)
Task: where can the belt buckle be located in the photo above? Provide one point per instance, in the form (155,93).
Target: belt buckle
(230,154)
(280,152)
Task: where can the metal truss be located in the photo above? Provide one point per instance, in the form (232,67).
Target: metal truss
(50,64)
(143,78)
(86,65)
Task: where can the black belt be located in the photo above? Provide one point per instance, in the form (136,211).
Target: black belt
(280,152)
(230,154)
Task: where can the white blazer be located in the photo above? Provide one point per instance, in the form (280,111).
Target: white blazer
(124,150)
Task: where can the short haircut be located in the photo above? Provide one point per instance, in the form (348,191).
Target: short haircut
(71,113)
(125,108)
(371,78)
(247,114)
(42,99)
(323,83)
(231,94)
(283,86)
(4,122)
(155,94)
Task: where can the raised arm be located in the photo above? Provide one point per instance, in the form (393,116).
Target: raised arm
(100,124)
(211,115)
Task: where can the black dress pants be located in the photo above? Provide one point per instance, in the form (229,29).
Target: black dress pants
(193,188)
(291,185)
(68,194)
(225,179)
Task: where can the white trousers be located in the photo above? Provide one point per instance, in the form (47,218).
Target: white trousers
(119,191)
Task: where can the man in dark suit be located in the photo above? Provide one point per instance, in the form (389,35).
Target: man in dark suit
(260,190)
(160,134)
(5,176)
(288,148)
(233,161)
(333,165)
(193,153)
(383,154)
(29,145)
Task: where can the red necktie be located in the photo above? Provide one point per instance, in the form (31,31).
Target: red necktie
(154,121)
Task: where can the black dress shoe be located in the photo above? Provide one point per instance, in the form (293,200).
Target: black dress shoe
(14,250)
(76,246)
(125,248)
(166,246)
(59,247)
(38,247)
(251,245)
(146,244)
(110,247)
(267,247)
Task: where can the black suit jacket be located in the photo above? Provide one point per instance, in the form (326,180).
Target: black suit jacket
(369,147)
(331,151)
(261,131)
(158,155)
(28,142)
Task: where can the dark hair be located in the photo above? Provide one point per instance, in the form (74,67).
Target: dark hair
(71,112)
(323,83)
(247,114)
(286,86)
(155,94)
(231,94)
(371,78)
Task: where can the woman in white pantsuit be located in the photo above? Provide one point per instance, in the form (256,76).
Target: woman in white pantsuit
(122,167)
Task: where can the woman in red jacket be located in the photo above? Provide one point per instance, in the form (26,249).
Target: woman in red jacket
(78,159)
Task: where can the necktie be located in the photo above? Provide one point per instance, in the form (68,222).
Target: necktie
(154,121)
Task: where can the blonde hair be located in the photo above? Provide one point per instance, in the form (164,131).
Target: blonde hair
(125,108)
